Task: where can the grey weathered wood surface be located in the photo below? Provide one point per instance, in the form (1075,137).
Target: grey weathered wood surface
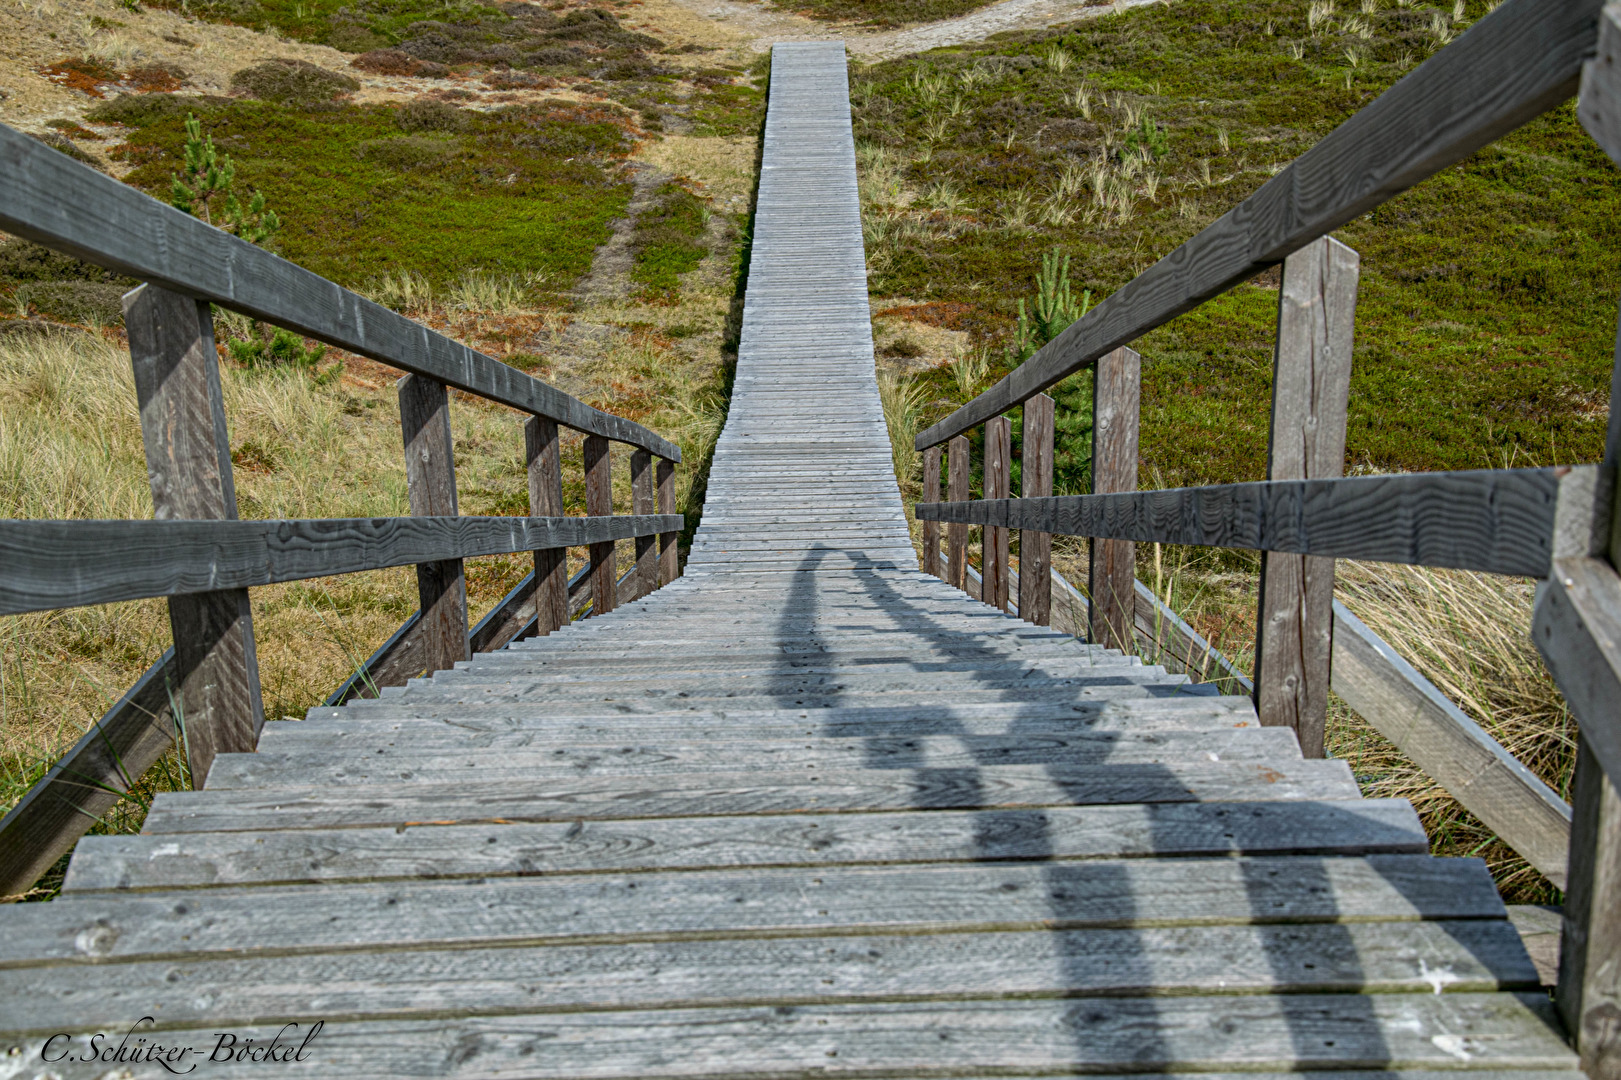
(1112,569)
(1311,387)
(805,811)
(1035,590)
(543,455)
(931,493)
(644,500)
(1451,748)
(669,554)
(1501,521)
(48,197)
(957,533)
(88,780)
(430,477)
(215,677)
(1591,918)
(998,485)
(599,501)
(57,564)
(1510,66)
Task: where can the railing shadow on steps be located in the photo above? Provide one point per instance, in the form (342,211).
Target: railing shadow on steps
(1554,524)
(203,695)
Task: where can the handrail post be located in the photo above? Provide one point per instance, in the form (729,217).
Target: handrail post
(1112,570)
(188,463)
(430,477)
(931,493)
(599,503)
(542,450)
(998,485)
(956,532)
(669,554)
(643,501)
(1588,995)
(1036,482)
(1311,387)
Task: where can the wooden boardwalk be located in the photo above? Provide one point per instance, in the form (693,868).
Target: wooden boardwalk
(805,812)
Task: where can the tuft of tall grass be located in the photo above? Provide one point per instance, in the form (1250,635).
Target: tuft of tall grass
(1467,633)
(970,369)
(496,294)
(902,398)
(404,290)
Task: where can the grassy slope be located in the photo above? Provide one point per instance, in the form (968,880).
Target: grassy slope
(519,190)
(1485,320)
(522,193)
(1487,303)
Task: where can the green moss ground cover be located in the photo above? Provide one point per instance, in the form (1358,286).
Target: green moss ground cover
(885,13)
(521,190)
(668,241)
(1488,302)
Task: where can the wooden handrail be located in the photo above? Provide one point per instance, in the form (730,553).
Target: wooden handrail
(60,564)
(1500,521)
(47,197)
(1511,66)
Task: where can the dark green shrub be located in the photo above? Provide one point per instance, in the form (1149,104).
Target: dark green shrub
(426,114)
(75,301)
(285,349)
(292,82)
(408,153)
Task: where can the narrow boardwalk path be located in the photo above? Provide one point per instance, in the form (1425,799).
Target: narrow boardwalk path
(805,812)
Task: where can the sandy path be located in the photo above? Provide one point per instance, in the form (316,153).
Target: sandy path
(766,25)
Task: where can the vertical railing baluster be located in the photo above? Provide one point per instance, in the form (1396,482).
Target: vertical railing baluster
(1588,994)
(543,451)
(188,463)
(1116,401)
(1036,482)
(1311,386)
(669,555)
(599,501)
(930,494)
(998,485)
(644,501)
(430,477)
(957,533)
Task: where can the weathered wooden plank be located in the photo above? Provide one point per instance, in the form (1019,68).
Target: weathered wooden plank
(543,457)
(1598,106)
(1250,1032)
(57,564)
(49,198)
(998,485)
(1311,386)
(957,534)
(669,555)
(615,907)
(1177,830)
(1501,521)
(88,780)
(215,678)
(1036,480)
(430,474)
(1366,957)
(717,793)
(1112,567)
(644,501)
(599,501)
(1510,66)
(931,493)
(393,765)
(1590,939)
(1435,735)
(1576,625)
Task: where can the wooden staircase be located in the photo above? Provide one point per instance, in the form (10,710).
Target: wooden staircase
(804,812)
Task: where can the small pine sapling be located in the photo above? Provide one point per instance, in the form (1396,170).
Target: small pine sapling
(1055,308)
(208,174)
